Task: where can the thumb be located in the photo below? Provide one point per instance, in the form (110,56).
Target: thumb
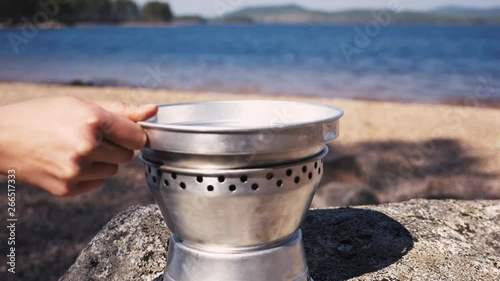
(130,111)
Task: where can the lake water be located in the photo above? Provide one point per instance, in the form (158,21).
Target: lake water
(420,63)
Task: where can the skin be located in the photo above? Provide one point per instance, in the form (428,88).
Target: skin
(68,145)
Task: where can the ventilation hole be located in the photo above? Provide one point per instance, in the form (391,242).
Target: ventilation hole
(221,178)
(315,165)
(269,176)
(199,179)
(166,183)
(210,188)
(183,185)
(243,178)
(174,175)
(304,169)
(255,186)
(296,180)
(232,187)
(149,169)
(319,171)
(279,183)
(310,175)
(154,179)
(289,172)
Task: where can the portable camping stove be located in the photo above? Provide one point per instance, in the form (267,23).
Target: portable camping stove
(234,181)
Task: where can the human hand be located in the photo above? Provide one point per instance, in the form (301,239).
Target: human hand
(67,145)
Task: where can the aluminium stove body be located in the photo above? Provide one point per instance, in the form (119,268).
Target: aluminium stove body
(234,181)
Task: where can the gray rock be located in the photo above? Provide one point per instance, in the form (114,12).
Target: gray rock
(132,246)
(414,240)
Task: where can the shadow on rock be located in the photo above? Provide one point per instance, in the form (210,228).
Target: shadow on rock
(344,243)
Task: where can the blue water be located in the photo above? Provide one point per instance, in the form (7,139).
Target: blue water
(421,63)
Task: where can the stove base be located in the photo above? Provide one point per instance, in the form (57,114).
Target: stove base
(283,262)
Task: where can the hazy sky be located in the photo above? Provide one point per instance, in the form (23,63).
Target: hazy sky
(209,7)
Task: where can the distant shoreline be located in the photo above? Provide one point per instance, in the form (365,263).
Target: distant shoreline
(57,25)
(296,14)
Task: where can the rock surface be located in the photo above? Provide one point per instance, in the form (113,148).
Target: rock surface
(132,246)
(413,240)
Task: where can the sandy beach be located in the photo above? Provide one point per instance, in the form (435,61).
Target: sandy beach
(477,129)
(387,152)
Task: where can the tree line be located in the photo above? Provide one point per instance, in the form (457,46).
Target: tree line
(75,11)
